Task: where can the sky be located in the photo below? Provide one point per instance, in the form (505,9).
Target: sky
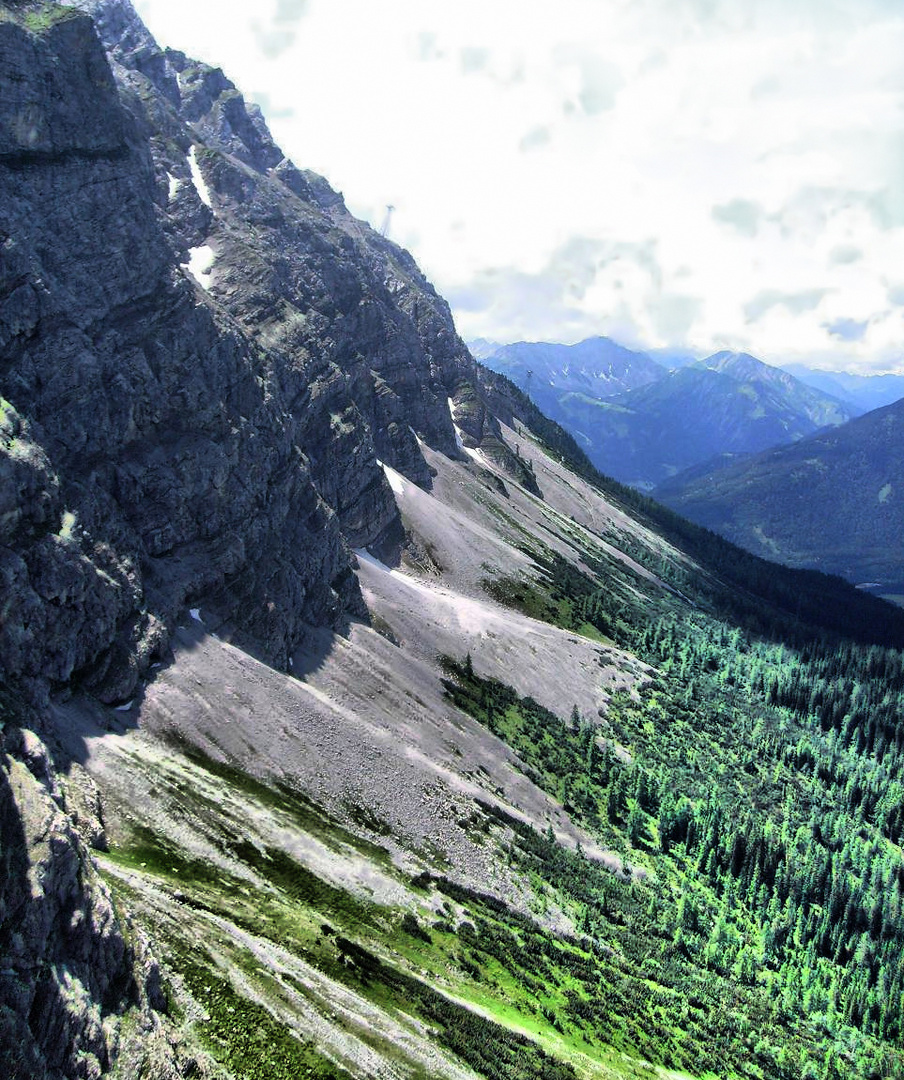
(685,174)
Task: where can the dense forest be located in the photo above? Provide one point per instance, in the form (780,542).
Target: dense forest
(753,787)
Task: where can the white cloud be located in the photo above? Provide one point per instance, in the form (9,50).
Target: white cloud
(754,150)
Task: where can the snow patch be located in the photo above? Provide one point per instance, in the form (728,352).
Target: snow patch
(174,184)
(125,708)
(365,556)
(459,442)
(195,613)
(197,179)
(396,480)
(199,265)
(417,437)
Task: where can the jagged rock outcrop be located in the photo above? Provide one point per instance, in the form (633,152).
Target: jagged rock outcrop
(79,988)
(204,358)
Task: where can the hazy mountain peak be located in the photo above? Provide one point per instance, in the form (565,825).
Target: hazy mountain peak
(738,364)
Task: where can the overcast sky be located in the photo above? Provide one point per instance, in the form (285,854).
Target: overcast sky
(690,173)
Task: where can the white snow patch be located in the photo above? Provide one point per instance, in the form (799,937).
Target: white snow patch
(417,437)
(174,184)
(197,179)
(125,708)
(396,480)
(459,442)
(199,265)
(366,556)
(195,613)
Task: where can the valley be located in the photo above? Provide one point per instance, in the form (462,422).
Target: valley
(644,425)
(827,502)
(352,723)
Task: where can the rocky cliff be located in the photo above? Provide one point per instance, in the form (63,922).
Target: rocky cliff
(80,989)
(204,357)
(204,360)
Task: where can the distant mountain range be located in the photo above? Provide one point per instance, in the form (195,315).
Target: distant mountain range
(641,423)
(865,391)
(482,347)
(833,501)
(596,368)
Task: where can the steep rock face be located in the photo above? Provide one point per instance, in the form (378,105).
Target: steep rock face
(202,358)
(78,988)
(166,463)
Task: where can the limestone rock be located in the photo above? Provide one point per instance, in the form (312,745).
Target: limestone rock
(78,988)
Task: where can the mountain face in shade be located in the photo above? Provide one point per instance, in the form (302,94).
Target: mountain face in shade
(569,381)
(833,501)
(727,403)
(206,357)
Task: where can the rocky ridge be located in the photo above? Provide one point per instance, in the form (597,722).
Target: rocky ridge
(204,360)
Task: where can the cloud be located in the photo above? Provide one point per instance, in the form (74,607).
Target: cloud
(270,109)
(598,80)
(742,214)
(586,286)
(279,36)
(600,84)
(537,136)
(796,303)
(887,207)
(812,208)
(896,295)
(426,47)
(473,59)
(847,329)
(844,254)
(673,315)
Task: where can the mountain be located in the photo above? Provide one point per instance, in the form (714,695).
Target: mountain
(671,357)
(727,403)
(352,724)
(865,391)
(480,348)
(830,501)
(560,377)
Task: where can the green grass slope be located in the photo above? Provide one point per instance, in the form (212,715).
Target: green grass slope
(752,785)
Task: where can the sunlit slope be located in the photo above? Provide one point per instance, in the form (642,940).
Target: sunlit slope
(548,812)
